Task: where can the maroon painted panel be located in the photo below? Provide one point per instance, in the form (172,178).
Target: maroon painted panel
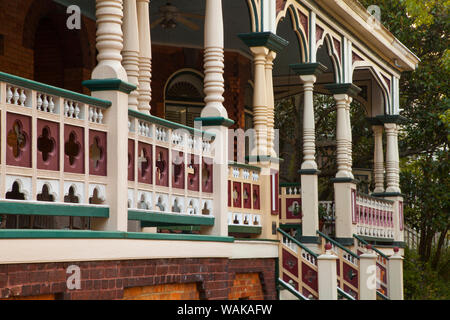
(383,290)
(247,195)
(97,153)
(274,193)
(308,293)
(207,175)
(400,215)
(229,193)
(130,159)
(256,197)
(193,173)
(290,281)
(351,292)
(237,195)
(338,267)
(309,276)
(350,274)
(145,163)
(290,262)
(162,167)
(178,169)
(73,149)
(47,145)
(18,140)
(353,195)
(294,208)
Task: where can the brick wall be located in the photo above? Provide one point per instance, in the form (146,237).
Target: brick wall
(214,278)
(171,291)
(246,286)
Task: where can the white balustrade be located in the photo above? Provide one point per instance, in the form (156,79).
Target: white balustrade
(45,102)
(17,96)
(374,217)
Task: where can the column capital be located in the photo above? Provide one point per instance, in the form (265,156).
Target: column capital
(343,88)
(304,69)
(264,39)
(390,127)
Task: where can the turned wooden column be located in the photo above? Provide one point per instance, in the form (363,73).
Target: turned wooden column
(109,40)
(145,56)
(392,158)
(270,104)
(214,61)
(378,159)
(130,50)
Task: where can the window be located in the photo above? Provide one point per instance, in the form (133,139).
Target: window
(184,98)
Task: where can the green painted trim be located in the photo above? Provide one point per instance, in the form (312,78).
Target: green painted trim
(45,88)
(291,289)
(344,180)
(376,240)
(255,11)
(343,88)
(309,43)
(180,228)
(373,248)
(50,209)
(290,184)
(297,243)
(264,39)
(152,218)
(215,121)
(263,159)
(338,244)
(310,239)
(109,85)
(309,172)
(346,241)
(243,165)
(382,296)
(308,68)
(166,123)
(344,294)
(256,240)
(388,194)
(88,234)
(244,229)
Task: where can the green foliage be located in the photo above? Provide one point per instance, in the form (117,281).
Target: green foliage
(421,282)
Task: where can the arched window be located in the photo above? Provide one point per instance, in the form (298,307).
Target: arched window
(184,97)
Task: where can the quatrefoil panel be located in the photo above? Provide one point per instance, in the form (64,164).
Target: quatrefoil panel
(145,163)
(18,140)
(73,149)
(97,153)
(48,145)
(178,169)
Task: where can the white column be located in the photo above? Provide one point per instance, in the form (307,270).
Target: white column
(309,134)
(130,50)
(395,276)
(326,264)
(145,56)
(349,137)
(270,104)
(260,101)
(214,89)
(378,159)
(368,276)
(392,158)
(109,41)
(342,136)
(214,61)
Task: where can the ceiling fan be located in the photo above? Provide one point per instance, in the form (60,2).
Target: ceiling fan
(170,16)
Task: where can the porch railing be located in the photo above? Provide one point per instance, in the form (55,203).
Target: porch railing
(374,217)
(53,151)
(298,266)
(170,172)
(382,265)
(347,267)
(244,199)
